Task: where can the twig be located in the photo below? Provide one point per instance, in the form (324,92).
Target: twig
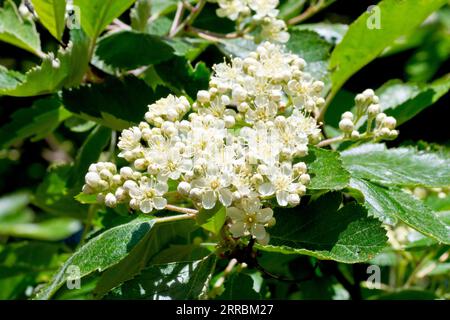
(190,18)
(327,142)
(308,13)
(189,211)
(177,19)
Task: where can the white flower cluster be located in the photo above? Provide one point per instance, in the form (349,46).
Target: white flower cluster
(262,12)
(367,108)
(240,145)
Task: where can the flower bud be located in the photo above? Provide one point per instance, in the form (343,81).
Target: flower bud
(293,199)
(184,188)
(347,115)
(305,179)
(355,135)
(229,121)
(389,122)
(346,125)
(380,117)
(92,179)
(300,168)
(373,110)
(110,200)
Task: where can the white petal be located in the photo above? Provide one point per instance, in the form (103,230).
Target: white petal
(258,231)
(161,188)
(265,240)
(136,193)
(186,165)
(266,189)
(282,198)
(146,206)
(252,205)
(226,197)
(264,215)
(209,200)
(238,229)
(235,213)
(160,203)
(175,175)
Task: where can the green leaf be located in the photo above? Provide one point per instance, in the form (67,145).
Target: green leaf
(314,49)
(51,13)
(324,231)
(27,258)
(108,103)
(331,32)
(240,286)
(179,73)
(89,153)
(130,49)
(140,14)
(397,167)
(23,264)
(405,100)
(392,204)
(149,251)
(101,252)
(18,31)
(96,15)
(326,170)
(362,44)
(13,202)
(213,219)
(172,281)
(161,7)
(48,230)
(54,196)
(66,70)
(37,122)
(427,60)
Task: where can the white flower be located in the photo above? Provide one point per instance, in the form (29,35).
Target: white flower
(264,8)
(275,30)
(130,143)
(232,8)
(282,183)
(250,219)
(214,185)
(170,108)
(149,195)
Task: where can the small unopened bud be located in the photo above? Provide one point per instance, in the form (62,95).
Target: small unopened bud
(92,179)
(293,199)
(110,200)
(243,107)
(134,204)
(140,164)
(230,121)
(393,134)
(318,86)
(347,115)
(184,188)
(380,117)
(355,135)
(389,122)
(105,174)
(300,168)
(346,125)
(373,110)
(305,179)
